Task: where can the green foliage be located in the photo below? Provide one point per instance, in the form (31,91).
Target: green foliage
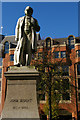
(54,105)
(51,80)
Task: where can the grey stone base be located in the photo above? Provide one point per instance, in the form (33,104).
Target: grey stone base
(21,101)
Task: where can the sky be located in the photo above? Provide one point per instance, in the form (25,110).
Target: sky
(56,19)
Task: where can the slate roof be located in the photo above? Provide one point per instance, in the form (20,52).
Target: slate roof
(56,41)
(10,39)
(64,40)
(60,40)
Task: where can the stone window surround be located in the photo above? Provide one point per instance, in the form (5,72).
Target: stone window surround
(77,88)
(77,70)
(77,76)
(61,101)
(42,101)
(68,70)
(59,54)
(66,101)
(77,53)
(72,42)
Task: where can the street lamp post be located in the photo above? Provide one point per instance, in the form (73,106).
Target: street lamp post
(1,29)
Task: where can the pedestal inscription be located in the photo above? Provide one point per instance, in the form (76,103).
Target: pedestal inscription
(21,101)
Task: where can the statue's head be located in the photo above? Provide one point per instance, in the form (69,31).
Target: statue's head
(28,11)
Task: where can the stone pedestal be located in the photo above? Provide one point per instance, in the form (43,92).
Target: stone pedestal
(21,100)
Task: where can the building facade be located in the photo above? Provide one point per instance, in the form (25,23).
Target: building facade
(66,50)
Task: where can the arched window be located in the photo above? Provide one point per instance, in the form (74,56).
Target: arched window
(71,42)
(6,47)
(48,43)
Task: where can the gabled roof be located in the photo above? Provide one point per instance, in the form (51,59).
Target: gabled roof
(10,39)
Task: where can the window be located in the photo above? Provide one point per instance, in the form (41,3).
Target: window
(40,55)
(79,83)
(48,43)
(78,69)
(71,42)
(58,70)
(66,96)
(66,83)
(7,68)
(78,53)
(79,88)
(65,70)
(6,47)
(42,96)
(0,61)
(56,85)
(63,54)
(56,54)
(65,86)
(12,57)
(12,45)
(79,96)
(0,72)
(43,117)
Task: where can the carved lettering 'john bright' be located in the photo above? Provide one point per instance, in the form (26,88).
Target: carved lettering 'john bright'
(14,100)
(21,100)
(25,100)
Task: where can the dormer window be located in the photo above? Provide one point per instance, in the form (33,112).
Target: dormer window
(71,42)
(48,43)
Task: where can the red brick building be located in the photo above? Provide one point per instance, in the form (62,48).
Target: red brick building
(65,49)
